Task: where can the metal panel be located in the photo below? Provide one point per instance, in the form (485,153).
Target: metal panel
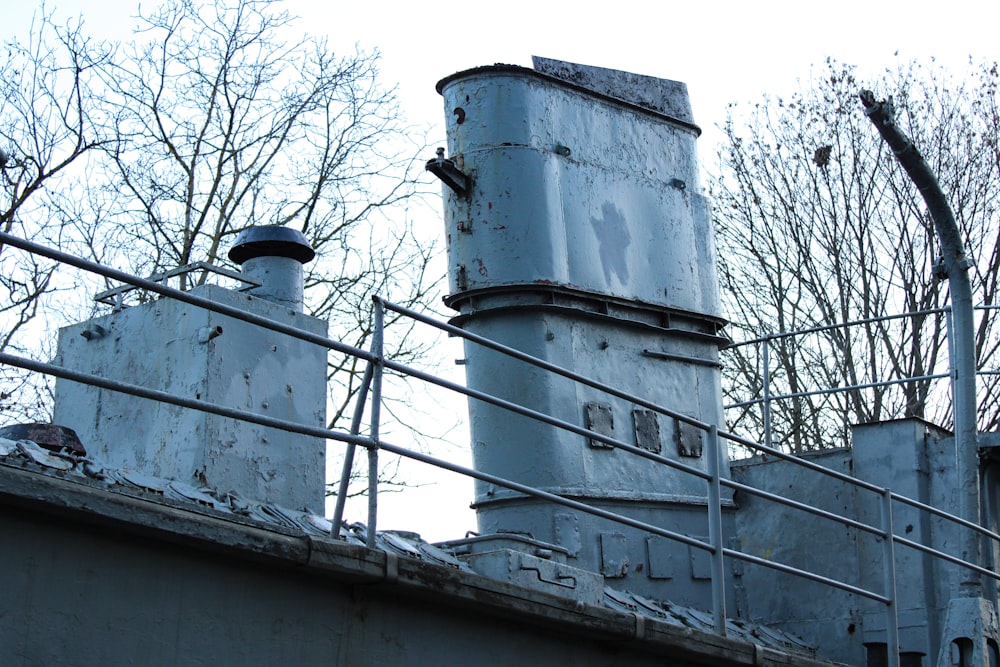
(576,190)
(567,533)
(614,555)
(599,419)
(689,439)
(701,562)
(647,430)
(660,563)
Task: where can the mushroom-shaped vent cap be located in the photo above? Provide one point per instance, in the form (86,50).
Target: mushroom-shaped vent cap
(271,241)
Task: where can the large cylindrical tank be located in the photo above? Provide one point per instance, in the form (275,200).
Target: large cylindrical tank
(583,239)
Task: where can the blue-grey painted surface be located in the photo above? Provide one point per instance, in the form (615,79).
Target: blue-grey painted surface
(914,459)
(105,573)
(195,353)
(585,241)
(574,189)
(598,260)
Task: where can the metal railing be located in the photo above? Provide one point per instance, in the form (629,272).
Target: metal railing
(370,396)
(766,399)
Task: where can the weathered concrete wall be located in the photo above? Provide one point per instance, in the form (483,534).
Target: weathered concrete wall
(92,577)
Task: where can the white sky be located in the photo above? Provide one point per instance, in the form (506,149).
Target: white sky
(724,50)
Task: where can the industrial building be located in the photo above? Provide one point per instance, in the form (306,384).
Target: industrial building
(173,513)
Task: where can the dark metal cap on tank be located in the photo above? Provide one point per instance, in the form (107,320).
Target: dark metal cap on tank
(271,241)
(272,256)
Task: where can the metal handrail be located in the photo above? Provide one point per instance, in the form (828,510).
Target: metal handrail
(839,325)
(834,390)
(545,365)
(331,434)
(374,443)
(890,539)
(836,325)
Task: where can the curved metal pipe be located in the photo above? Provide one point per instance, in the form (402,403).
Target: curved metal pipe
(955,264)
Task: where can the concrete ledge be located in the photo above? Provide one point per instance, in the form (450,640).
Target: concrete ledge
(396,587)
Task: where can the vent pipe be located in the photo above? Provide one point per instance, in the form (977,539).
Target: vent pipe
(273,256)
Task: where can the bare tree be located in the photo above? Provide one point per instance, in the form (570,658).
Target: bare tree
(47,127)
(817,225)
(212,121)
(221,124)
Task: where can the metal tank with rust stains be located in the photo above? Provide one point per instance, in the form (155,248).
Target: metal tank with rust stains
(577,233)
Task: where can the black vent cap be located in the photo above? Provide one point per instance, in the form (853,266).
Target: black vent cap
(271,241)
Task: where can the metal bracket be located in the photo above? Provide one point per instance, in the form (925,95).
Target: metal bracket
(449,173)
(558,580)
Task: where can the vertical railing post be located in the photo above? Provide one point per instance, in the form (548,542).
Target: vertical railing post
(345,471)
(715,535)
(376,410)
(889,577)
(766,353)
(950,339)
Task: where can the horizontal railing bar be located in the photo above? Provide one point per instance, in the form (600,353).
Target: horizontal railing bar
(781,567)
(202,406)
(325,433)
(945,515)
(105,296)
(805,463)
(337,346)
(543,418)
(294,427)
(499,347)
(943,556)
(841,325)
(166,397)
(788,502)
(186,297)
(543,364)
(835,390)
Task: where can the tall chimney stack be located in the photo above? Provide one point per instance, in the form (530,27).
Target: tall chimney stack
(579,235)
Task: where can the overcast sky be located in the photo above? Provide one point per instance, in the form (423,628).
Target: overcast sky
(725,51)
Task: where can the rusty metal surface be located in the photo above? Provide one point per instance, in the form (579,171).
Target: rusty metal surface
(663,96)
(51,436)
